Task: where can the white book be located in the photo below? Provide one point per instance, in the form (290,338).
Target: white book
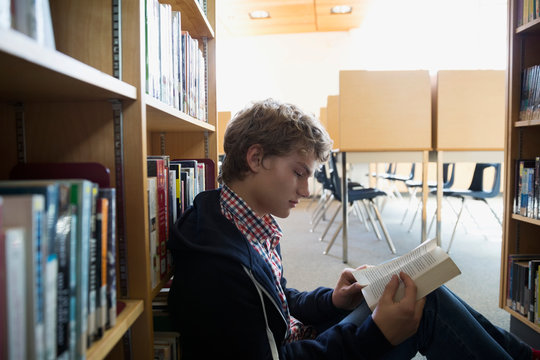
(427,264)
(28,212)
(153,231)
(16,293)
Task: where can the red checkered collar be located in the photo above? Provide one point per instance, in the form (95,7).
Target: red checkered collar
(255,228)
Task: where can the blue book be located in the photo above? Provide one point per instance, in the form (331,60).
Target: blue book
(81,198)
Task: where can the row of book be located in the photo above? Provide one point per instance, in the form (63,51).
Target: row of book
(166,338)
(171,187)
(175,65)
(530,94)
(527,188)
(527,11)
(523,290)
(30,17)
(57,245)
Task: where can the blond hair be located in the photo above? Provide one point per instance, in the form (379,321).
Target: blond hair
(279,128)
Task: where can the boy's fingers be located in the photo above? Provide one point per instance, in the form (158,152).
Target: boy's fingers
(390,289)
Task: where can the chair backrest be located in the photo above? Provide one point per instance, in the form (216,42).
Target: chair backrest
(322,177)
(335,179)
(448,181)
(477,182)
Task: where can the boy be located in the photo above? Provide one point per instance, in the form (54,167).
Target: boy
(229,297)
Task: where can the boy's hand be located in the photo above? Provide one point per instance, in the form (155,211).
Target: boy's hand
(399,320)
(348,293)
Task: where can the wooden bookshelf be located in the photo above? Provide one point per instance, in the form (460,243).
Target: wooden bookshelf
(520,234)
(66,98)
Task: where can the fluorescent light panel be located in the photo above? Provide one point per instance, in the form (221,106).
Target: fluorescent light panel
(341,9)
(259,14)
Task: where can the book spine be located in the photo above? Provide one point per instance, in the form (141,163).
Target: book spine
(16,288)
(63,248)
(111,258)
(92,273)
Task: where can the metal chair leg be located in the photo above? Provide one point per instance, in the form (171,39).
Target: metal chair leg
(330,222)
(455,226)
(329,246)
(372,220)
(383,227)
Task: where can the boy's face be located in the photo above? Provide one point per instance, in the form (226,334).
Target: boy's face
(280,182)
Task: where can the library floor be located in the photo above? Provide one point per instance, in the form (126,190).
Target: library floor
(476,249)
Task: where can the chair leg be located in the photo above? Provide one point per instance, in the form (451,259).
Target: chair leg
(329,246)
(322,213)
(493,212)
(412,197)
(414,216)
(323,201)
(330,222)
(455,226)
(372,220)
(361,215)
(383,227)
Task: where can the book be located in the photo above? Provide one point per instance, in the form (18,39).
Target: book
(427,264)
(15,319)
(153,231)
(156,168)
(93,266)
(110,195)
(28,212)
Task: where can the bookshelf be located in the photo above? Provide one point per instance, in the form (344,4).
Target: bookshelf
(67,105)
(520,234)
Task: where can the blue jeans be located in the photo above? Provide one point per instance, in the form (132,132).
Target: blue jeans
(451,329)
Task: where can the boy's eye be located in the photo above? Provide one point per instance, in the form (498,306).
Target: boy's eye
(298,173)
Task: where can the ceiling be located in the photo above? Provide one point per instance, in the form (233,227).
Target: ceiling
(287,16)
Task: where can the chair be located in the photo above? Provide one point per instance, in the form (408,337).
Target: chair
(356,195)
(413,187)
(393,178)
(476,191)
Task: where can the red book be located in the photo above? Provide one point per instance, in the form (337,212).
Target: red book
(156,168)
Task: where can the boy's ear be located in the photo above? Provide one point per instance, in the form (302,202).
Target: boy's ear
(254,157)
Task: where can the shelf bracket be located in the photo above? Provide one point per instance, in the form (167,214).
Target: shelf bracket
(162,140)
(20,133)
(117,38)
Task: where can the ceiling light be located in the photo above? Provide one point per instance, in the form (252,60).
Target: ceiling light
(341,9)
(259,14)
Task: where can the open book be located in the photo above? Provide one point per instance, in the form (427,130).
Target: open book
(428,265)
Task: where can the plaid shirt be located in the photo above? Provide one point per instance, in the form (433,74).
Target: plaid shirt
(263,234)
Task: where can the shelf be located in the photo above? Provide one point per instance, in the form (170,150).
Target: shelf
(125,319)
(31,72)
(522,318)
(162,117)
(532,27)
(525,123)
(526,219)
(193,18)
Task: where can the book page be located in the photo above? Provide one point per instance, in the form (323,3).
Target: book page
(385,270)
(428,265)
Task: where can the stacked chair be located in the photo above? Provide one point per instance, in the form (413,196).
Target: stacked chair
(358,198)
